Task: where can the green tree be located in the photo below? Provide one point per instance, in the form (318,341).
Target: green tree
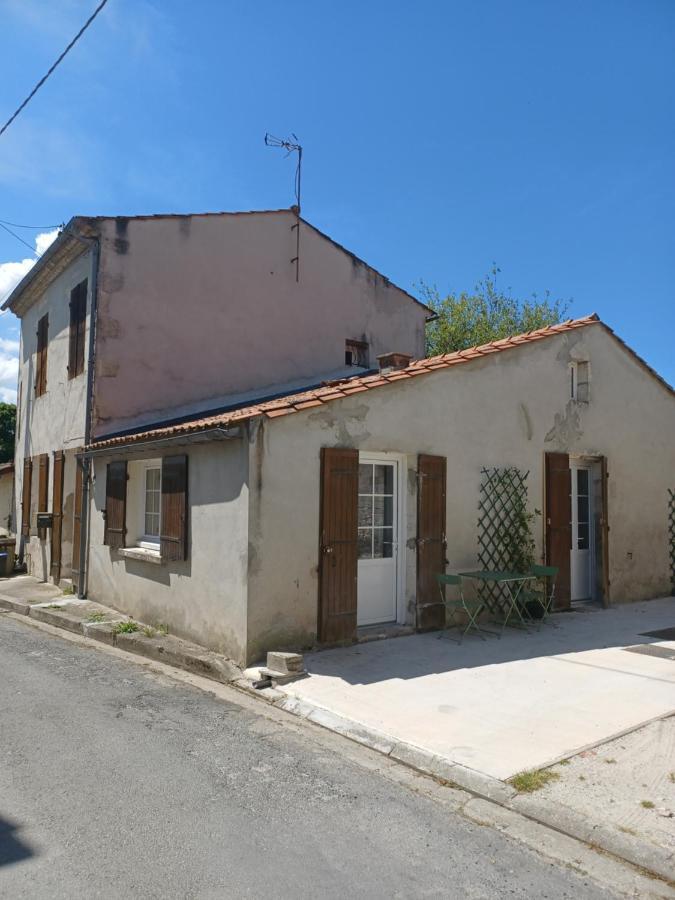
(7,429)
(487,314)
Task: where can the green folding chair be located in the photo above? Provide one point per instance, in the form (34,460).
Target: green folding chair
(460,607)
(547,576)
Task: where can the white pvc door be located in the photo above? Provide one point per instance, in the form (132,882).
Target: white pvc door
(378,533)
(581,553)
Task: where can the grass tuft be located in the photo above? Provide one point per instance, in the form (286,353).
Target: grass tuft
(95,617)
(163,628)
(527,782)
(125,627)
(54,606)
(646,804)
(148,631)
(610,762)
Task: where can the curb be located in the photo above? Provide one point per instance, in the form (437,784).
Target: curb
(71,615)
(647,857)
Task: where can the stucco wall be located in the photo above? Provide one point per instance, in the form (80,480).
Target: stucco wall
(204,598)
(55,420)
(203,308)
(507,409)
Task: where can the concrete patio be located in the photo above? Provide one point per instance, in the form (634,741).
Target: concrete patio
(503,706)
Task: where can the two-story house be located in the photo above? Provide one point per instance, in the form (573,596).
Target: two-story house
(231,423)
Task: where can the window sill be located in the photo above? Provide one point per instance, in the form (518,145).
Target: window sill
(142,554)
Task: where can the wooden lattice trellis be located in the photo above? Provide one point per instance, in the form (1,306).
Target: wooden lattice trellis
(671,535)
(504,537)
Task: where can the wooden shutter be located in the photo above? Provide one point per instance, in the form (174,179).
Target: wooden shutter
(43,490)
(338,563)
(604,527)
(78,316)
(431,544)
(57,515)
(41,356)
(559,523)
(116,505)
(77,521)
(26,496)
(173,518)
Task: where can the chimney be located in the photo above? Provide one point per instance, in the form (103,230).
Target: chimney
(389,361)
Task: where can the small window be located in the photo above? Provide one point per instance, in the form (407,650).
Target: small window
(579,382)
(152,504)
(78,318)
(41,356)
(356,354)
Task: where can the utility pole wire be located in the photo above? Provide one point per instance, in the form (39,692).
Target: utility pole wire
(45,77)
(9,231)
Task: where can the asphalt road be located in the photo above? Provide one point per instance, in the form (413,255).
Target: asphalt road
(115,782)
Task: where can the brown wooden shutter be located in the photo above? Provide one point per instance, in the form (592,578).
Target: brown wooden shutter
(41,356)
(559,523)
(604,526)
(338,563)
(116,505)
(431,544)
(43,490)
(173,518)
(26,496)
(57,515)
(78,315)
(77,521)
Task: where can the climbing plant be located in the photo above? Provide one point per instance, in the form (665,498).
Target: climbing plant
(671,535)
(505,539)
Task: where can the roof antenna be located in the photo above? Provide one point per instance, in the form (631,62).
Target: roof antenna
(291,147)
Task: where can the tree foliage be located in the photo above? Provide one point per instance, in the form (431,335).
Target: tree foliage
(484,315)
(7,429)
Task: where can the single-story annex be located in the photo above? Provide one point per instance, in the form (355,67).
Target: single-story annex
(299,520)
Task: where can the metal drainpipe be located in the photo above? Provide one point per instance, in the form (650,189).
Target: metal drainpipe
(86,463)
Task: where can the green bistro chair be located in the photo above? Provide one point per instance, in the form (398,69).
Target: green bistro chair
(544,597)
(460,605)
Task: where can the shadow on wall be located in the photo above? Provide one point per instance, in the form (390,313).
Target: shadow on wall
(12,849)
(437,652)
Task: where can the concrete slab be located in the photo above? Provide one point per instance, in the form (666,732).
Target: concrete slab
(503,706)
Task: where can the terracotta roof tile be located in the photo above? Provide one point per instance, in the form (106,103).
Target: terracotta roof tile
(318,396)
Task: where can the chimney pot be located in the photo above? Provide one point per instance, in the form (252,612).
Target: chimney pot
(388,361)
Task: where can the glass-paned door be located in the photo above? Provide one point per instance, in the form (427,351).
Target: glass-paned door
(581,552)
(377,535)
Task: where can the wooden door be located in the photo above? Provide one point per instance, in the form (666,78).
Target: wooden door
(77,521)
(431,543)
(558,523)
(338,562)
(57,516)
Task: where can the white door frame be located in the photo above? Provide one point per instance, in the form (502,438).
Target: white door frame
(401,522)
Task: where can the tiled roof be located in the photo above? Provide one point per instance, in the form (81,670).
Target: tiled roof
(336,390)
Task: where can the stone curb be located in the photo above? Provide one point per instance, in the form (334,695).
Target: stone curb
(648,857)
(167,649)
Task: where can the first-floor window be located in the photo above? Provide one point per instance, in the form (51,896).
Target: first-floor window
(153,494)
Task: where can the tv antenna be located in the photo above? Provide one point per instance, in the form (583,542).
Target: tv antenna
(291,146)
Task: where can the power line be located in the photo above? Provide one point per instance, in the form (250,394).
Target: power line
(9,231)
(45,77)
(34,227)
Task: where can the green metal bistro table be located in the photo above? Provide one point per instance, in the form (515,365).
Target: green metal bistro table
(514,582)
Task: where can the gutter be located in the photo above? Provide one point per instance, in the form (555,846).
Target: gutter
(84,510)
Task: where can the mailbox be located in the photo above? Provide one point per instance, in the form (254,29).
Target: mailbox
(45,520)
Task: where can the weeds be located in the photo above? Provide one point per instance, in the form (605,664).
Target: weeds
(671,777)
(148,631)
(564,762)
(163,628)
(68,590)
(610,762)
(54,606)
(95,617)
(527,782)
(125,627)
(646,804)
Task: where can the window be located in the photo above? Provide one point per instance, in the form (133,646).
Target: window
(41,356)
(579,382)
(152,504)
(376,511)
(78,318)
(356,354)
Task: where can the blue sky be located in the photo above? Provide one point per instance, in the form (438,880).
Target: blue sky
(439,136)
